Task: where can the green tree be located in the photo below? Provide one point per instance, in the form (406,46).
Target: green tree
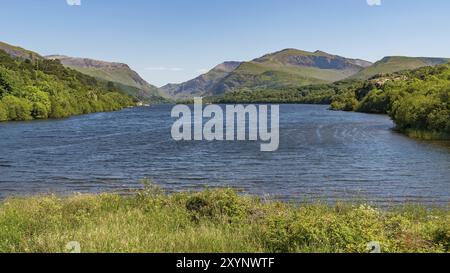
(17,108)
(40,101)
(3,112)
(49,90)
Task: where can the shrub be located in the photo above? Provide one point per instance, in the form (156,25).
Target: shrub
(3,112)
(213,221)
(16,108)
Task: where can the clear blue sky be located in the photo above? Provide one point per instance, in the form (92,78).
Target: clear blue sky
(175,40)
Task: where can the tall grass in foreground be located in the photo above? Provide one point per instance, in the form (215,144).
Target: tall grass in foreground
(213,221)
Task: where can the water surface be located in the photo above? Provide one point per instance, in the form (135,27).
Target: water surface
(323,155)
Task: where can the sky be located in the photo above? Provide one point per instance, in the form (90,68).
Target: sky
(171,41)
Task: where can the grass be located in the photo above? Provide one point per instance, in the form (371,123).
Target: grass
(213,221)
(120,75)
(426,135)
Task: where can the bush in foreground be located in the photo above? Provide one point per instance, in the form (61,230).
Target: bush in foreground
(213,221)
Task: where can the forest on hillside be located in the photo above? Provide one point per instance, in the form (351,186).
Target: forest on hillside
(311,94)
(37,88)
(417,100)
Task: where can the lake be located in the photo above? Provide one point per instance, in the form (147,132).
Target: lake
(323,155)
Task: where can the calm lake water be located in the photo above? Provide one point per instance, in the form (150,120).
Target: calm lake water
(323,155)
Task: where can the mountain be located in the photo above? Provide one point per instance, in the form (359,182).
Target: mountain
(202,84)
(282,69)
(290,68)
(397,63)
(37,88)
(124,78)
(18,52)
(117,75)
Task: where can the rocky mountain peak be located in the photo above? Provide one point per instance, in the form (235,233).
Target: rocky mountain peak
(87,63)
(227,66)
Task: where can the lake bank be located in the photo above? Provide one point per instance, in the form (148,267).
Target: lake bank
(213,221)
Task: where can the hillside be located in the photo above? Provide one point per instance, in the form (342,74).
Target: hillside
(19,52)
(41,89)
(397,63)
(417,100)
(308,94)
(202,84)
(125,79)
(284,69)
(290,68)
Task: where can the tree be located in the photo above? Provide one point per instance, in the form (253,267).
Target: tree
(3,113)
(40,101)
(49,90)
(17,108)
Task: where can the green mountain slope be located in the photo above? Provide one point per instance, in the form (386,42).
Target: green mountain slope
(397,63)
(284,69)
(120,74)
(19,52)
(41,89)
(290,68)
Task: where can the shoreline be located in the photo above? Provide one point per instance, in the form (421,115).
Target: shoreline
(382,205)
(411,133)
(215,221)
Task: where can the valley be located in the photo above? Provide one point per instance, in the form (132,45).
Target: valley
(286,76)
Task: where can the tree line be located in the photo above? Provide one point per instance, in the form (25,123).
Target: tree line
(37,88)
(311,94)
(418,100)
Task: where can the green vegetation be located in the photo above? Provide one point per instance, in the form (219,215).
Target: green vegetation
(41,89)
(266,76)
(19,52)
(138,94)
(284,70)
(213,221)
(289,68)
(119,75)
(311,94)
(395,64)
(418,100)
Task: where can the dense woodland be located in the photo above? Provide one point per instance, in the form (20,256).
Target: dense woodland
(36,88)
(417,100)
(312,94)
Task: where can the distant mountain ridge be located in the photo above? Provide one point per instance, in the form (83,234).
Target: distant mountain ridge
(119,73)
(282,69)
(32,88)
(288,68)
(291,68)
(317,59)
(202,84)
(19,52)
(394,64)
